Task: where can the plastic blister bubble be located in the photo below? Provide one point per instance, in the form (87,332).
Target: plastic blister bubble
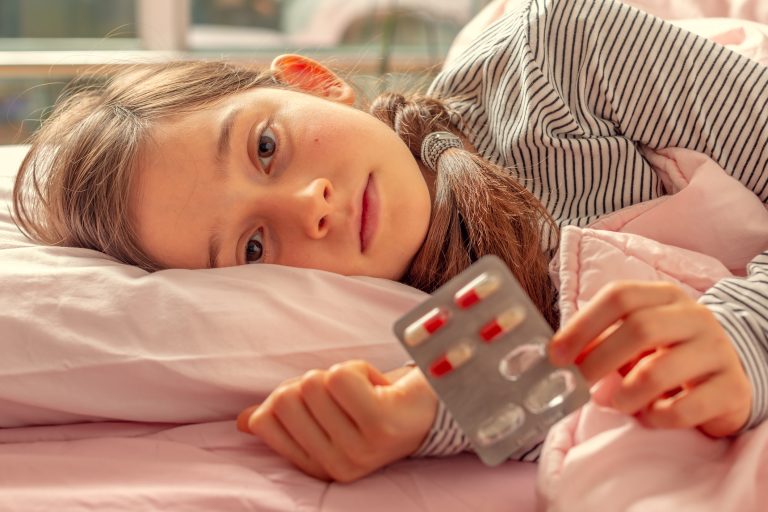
(502,425)
(550,391)
(520,359)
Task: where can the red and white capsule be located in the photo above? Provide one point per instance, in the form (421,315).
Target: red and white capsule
(505,322)
(426,326)
(477,289)
(452,359)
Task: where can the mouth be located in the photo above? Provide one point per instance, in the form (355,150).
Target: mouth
(369,214)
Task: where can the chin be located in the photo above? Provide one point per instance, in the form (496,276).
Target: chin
(401,273)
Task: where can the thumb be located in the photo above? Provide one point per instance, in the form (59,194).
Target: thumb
(411,381)
(350,369)
(376,377)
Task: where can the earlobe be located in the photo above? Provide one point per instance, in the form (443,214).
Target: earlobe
(310,76)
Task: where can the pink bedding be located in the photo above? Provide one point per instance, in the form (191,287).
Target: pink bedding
(598,459)
(210,466)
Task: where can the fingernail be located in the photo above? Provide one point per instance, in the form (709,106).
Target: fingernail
(244,417)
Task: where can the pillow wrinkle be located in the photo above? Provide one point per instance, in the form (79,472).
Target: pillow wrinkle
(86,338)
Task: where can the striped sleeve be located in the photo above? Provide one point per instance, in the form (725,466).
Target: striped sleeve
(662,86)
(446,438)
(564,92)
(741,306)
(657,84)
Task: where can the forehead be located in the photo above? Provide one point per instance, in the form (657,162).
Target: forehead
(174,172)
(264,100)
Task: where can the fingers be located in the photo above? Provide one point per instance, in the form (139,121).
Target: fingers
(351,384)
(266,426)
(302,421)
(642,330)
(674,344)
(701,405)
(286,423)
(662,372)
(293,414)
(611,304)
(329,415)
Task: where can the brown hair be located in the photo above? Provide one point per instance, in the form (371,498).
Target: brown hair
(479,208)
(73,187)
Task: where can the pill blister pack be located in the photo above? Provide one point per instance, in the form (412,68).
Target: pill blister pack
(482,345)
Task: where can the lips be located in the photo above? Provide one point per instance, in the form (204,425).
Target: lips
(369,215)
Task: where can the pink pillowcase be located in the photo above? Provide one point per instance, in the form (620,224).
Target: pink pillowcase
(86,338)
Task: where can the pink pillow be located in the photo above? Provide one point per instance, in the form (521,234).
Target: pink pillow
(87,338)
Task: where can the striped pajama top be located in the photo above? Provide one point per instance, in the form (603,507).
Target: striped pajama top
(564,91)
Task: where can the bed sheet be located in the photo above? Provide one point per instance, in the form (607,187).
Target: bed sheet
(211,466)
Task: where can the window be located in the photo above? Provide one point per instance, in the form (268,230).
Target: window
(67,24)
(373,43)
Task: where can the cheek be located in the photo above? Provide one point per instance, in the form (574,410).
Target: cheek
(329,133)
(420,216)
(409,225)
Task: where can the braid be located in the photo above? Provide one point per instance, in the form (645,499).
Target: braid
(412,120)
(478,208)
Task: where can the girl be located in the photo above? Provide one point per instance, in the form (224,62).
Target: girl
(194,165)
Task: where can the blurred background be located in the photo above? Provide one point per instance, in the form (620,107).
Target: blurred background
(376,44)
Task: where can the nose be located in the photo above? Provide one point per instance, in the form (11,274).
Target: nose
(313,205)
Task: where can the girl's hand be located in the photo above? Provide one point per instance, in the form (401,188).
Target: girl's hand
(674,343)
(343,423)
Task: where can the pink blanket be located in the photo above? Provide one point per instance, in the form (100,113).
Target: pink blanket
(595,460)
(212,467)
(598,459)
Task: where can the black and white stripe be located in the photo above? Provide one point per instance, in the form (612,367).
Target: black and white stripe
(741,305)
(563,92)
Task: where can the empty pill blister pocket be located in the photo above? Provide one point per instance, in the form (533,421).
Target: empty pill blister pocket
(482,345)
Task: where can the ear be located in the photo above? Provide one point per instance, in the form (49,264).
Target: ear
(310,76)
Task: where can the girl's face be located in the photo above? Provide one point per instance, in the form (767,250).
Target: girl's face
(283,177)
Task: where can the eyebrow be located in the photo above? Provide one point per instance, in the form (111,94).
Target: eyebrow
(221,158)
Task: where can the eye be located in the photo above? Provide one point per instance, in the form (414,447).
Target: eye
(254,249)
(266,148)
